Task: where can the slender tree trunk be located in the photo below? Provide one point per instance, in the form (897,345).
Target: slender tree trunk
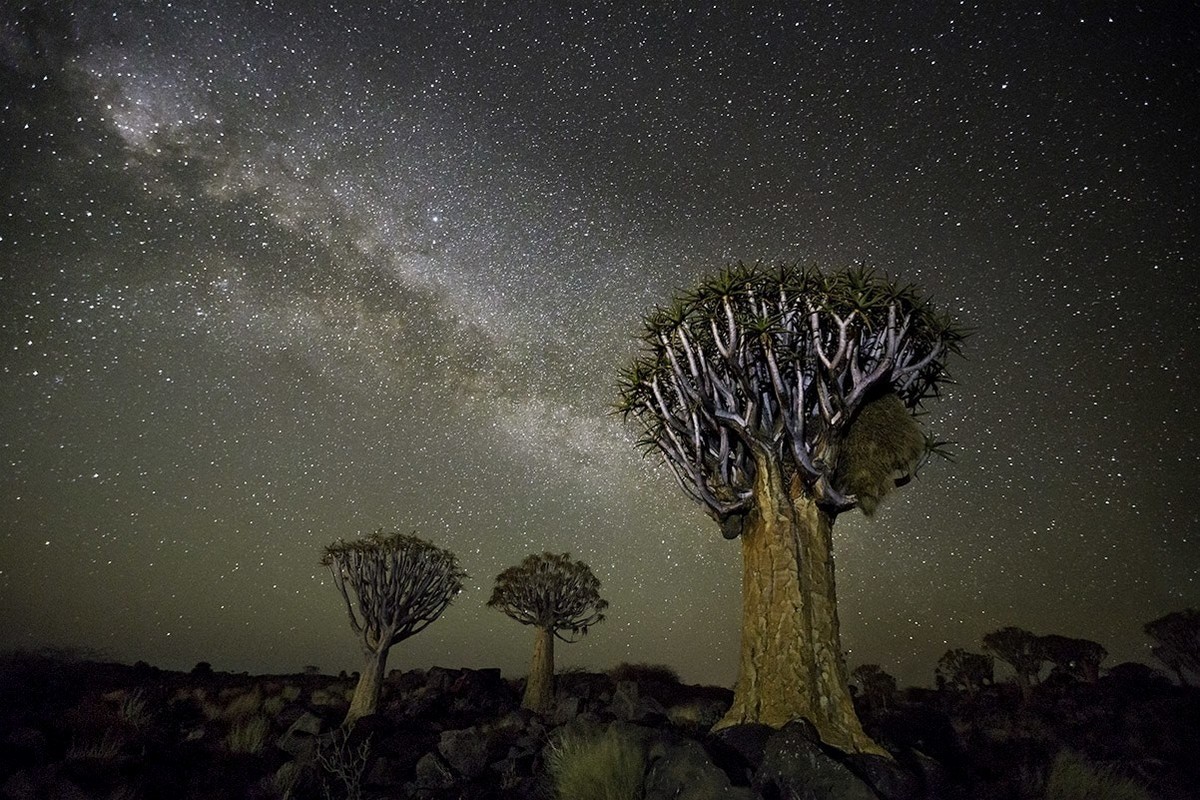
(539,688)
(791,662)
(369,688)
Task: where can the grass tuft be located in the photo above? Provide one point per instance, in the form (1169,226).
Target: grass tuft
(596,764)
(248,735)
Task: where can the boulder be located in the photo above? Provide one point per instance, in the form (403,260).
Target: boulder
(301,736)
(467,751)
(796,766)
(739,750)
(889,779)
(678,767)
(433,773)
(630,705)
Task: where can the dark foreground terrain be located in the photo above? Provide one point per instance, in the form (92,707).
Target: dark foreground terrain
(73,728)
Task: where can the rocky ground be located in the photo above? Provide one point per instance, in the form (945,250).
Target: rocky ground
(81,729)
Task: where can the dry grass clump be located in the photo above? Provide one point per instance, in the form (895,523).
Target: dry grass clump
(597,764)
(106,748)
(241,703)
(248,735)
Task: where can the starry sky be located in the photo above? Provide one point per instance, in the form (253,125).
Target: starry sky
(272,274)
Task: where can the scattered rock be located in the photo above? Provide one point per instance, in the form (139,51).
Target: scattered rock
(466,751)
(795,766)
(433,773)
(678,767)
(630,705)
(301,736)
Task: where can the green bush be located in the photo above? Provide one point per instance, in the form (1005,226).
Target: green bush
(597,764)
(1072,778)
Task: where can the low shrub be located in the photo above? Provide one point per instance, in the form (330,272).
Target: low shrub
(1073,778)
(644,673)
(597,764)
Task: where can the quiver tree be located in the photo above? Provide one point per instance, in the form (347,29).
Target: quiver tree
(779,399)
(560,598)
(1079,658)
(1021,650)
(394,585)
(1177,641)
(965,671)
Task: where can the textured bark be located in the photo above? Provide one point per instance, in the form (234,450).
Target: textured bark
(791,661)
(539,688)
(369,689)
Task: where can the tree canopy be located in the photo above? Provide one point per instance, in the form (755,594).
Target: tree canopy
(780,362)
(400,584)
(550,591)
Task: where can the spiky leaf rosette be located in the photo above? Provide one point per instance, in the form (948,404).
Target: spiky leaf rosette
(778,363)
(400,584)
(550,591)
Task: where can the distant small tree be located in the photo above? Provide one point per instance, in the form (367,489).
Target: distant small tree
(877,686)
(1019,649)
(965,671)
(1177,641)
(399,584)
(1079,658)
(560,598)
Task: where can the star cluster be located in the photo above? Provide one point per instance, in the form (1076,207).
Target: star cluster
(273,274)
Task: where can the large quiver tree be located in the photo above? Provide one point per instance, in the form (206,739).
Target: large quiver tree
(780,398)
(394,585)
(561,599)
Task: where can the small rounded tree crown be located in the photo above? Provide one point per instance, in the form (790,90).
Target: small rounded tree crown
(818,372)
(550,591)
(400,584)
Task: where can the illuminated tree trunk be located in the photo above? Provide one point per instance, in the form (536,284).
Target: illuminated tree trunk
(791,662)
(539,688)
(369,689)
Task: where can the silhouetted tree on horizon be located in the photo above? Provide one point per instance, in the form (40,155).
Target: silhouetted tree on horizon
(1177,637)
(1079,658)
(966,671)
(561,599)
(779,399)
(877,685)
(400,584)
(1019,649)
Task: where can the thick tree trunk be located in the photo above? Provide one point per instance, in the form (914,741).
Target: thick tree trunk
(539,688)
(791,662)
(369,688)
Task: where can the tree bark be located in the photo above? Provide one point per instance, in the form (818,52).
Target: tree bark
(539,688)
(791,661)
(369,689)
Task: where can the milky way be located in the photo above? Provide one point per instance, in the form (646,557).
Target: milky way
(275,274)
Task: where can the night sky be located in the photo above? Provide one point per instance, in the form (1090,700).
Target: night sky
(287,272)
